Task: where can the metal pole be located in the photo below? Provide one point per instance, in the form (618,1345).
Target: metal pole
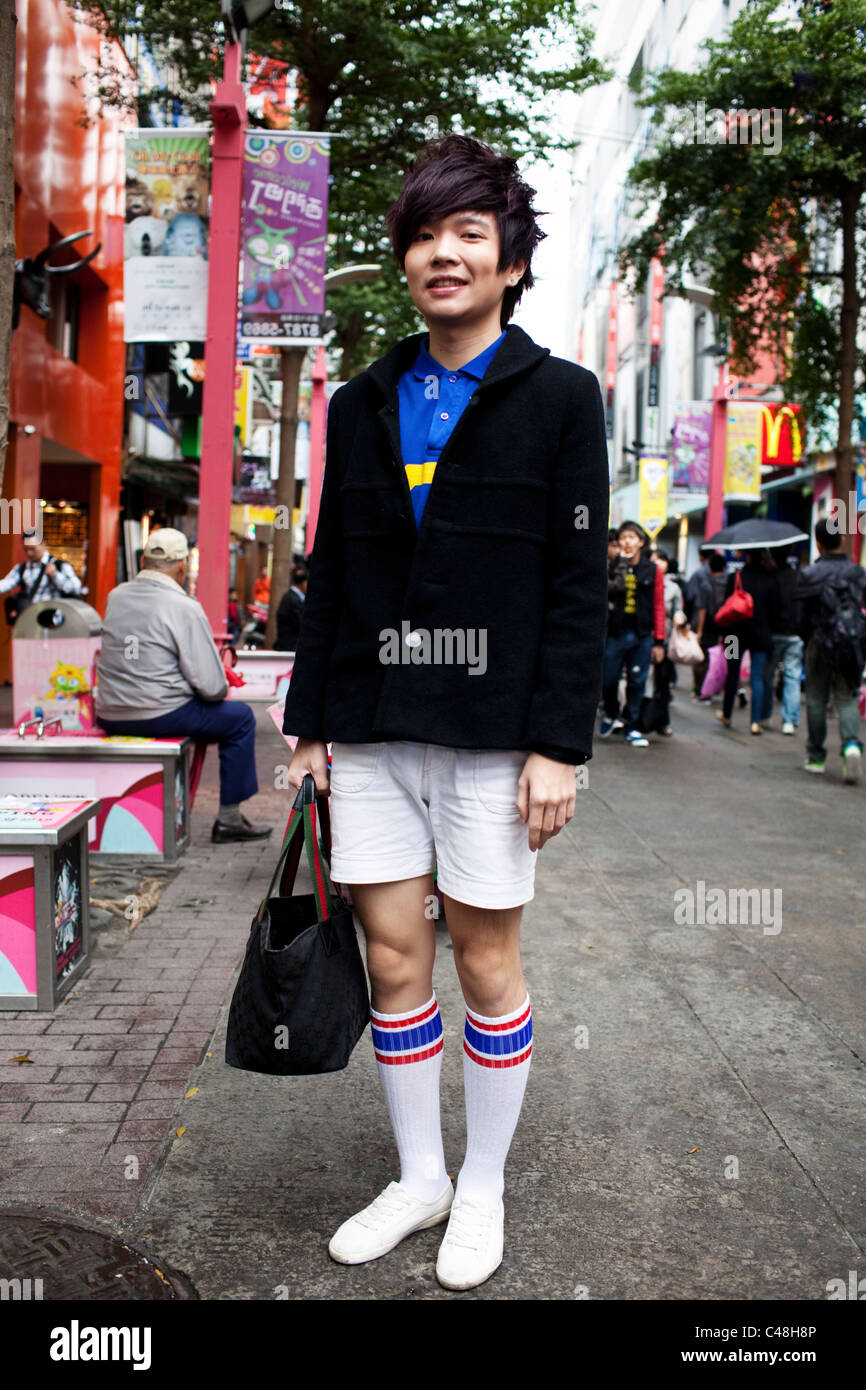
(217,434)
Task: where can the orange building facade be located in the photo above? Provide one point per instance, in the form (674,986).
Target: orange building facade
(67,372)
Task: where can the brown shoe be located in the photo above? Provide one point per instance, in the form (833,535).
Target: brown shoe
(222,834)
(723,718)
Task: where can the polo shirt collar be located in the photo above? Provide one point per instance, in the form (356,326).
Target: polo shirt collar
(426,366)
(516,354)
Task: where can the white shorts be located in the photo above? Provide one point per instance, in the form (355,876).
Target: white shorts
(400,809)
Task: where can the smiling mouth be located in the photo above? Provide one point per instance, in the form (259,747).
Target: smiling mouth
(445,283)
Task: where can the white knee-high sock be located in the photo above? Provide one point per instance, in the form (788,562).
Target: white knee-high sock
(408,1050)
(496,1058)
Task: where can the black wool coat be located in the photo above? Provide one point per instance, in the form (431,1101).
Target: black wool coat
(508,571)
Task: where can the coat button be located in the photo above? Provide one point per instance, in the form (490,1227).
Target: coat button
(413,639)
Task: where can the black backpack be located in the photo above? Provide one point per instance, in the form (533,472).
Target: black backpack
(840,630)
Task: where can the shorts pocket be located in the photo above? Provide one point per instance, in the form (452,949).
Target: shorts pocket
(496,777)
(353,766)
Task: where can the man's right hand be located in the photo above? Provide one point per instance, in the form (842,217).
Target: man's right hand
(310,756)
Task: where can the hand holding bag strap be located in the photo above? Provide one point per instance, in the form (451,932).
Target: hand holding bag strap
(304,814)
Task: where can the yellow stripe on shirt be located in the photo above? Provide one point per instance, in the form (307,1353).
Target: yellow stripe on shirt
(420,473)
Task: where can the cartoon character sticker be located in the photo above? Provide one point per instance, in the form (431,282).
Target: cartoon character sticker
(272,251)
(67,908)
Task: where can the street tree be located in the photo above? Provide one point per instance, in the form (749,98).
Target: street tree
(774,227)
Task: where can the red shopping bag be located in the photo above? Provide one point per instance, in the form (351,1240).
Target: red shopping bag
(736,608)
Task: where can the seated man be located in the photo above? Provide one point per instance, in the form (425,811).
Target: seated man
(160,676)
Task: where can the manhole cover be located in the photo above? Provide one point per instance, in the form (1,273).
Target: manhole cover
(51,1258)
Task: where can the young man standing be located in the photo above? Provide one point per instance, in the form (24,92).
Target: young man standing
(636,630)
(451,647)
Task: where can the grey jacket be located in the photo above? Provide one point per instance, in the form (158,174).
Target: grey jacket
(157,651)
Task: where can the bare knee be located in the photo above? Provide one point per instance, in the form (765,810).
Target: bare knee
(401,942)
(393,969)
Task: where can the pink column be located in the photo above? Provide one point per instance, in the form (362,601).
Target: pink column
(717,455)
(217,435)
(317,444)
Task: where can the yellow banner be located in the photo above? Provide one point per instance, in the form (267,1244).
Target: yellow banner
(653,474)
(243,402)
(742,476)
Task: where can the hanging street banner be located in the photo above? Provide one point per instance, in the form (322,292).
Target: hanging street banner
(166,236)
(285,222)
(692,432)
(657,285)
(743,432)
(653,475)
(611,360)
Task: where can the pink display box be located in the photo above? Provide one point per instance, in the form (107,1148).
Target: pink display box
(142,786)
(44,899)
(266,675)
(56,677)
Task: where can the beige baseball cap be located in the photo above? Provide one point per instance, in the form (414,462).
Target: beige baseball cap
(167,544)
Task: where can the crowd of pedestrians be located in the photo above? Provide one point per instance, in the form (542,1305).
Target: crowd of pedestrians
(787,629)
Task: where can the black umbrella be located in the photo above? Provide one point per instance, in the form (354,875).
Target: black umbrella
(754,534)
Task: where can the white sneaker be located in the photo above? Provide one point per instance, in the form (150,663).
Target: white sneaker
(394,1214)
(851,763)
(788,729)
(473,1244)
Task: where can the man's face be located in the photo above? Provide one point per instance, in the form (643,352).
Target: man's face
(34,550)
(451,268)
(629,545)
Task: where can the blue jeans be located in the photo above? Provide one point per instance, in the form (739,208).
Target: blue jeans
(788,650)
(732,681)
(634,652)
(228,723)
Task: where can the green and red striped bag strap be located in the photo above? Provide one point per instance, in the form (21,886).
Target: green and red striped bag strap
(302,827)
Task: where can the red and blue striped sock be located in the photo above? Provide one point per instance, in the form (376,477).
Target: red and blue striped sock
(408,1049)
(496,1058)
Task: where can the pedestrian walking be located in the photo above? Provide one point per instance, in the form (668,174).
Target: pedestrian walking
(753,635)
(40,576)
(787,645)
(465,499)
(705,593)
(664,671)
(635,632)
(291,610)
(833,593)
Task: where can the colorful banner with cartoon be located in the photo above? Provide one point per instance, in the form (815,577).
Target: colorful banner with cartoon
(693,424)
(166,236)
(285,222)
(742,476)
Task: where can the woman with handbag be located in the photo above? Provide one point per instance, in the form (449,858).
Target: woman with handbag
(749,614)
(451,652)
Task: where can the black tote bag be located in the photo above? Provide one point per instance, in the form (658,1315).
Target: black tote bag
(301,1001)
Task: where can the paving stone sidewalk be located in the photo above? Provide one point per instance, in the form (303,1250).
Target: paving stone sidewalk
(82,1123)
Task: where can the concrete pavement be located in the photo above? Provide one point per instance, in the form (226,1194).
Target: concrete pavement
(692,1127)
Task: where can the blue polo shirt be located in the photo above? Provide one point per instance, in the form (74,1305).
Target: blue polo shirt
(432,398)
